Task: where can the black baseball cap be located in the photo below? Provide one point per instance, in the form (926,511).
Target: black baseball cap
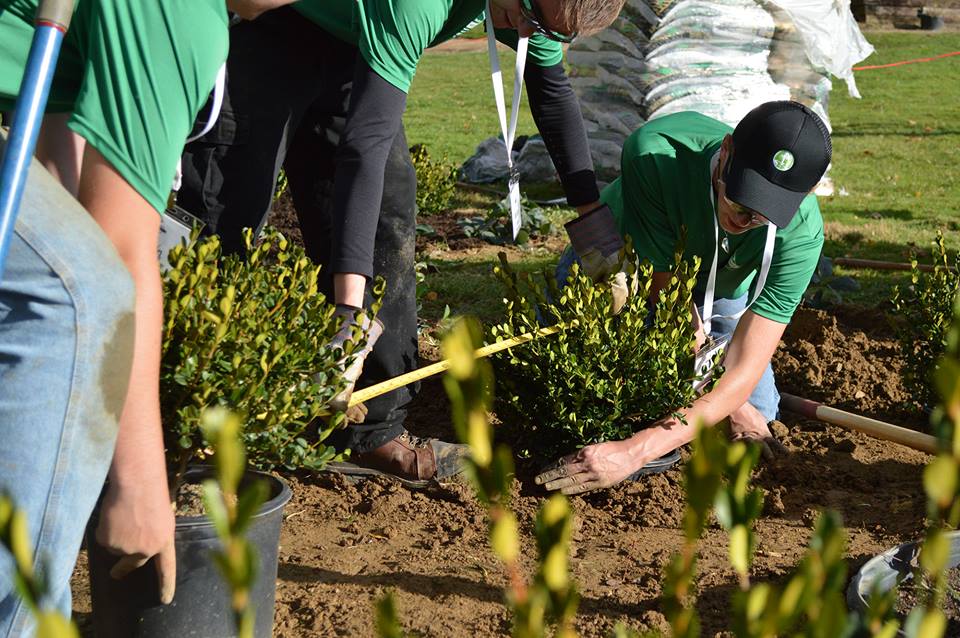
(780,152)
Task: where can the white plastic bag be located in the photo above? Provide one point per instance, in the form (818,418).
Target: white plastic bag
(831,35)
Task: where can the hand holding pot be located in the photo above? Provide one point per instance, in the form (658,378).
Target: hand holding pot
(598,244)
(136,524)
(356,325)
(592,467)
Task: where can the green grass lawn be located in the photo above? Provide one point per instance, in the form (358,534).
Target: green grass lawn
(896,154)
(451,107)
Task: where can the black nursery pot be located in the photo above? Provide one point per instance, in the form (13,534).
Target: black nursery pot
(130,608)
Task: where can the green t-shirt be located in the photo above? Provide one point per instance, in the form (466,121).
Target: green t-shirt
(393,34)
(665,187)
(133,73)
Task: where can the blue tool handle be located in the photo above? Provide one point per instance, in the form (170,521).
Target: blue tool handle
(57,12)
(53,17)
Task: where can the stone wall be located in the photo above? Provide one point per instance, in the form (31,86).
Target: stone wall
(902,14)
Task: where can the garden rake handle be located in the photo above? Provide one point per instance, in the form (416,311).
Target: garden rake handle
(872,427)
(440,366)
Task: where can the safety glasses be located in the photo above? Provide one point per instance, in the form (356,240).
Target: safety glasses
(756,219)
(532,14)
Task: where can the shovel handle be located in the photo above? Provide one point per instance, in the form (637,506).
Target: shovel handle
(872,427)
(56,13)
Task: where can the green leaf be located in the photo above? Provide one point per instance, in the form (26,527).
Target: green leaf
(215,509)
(933,624)
(935,552)
(940,479)
(723,508)
(20,545)
(504,537)
(741,549)
(388,624)
(556,573)
(555,510)
(248,504)
(51,624)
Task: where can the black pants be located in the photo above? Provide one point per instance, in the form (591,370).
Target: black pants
(288,88)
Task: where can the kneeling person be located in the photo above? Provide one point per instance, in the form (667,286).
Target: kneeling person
(743,198)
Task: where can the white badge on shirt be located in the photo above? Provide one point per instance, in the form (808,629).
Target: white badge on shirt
(509,131)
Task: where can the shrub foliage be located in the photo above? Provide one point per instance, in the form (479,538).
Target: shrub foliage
(248,333)
(601,377)
(926,308)
(436,181)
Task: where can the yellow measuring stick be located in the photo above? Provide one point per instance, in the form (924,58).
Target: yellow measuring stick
(436,368)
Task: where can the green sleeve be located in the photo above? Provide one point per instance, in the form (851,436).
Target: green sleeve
(795,256)
(541,51)
(396,34)
(644,215)
(148,68)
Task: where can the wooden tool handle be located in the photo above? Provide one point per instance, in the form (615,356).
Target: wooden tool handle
(872,427)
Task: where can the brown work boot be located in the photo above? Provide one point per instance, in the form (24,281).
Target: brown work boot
(413,461)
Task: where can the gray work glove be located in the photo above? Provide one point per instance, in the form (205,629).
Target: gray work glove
(598,244)
(356,324)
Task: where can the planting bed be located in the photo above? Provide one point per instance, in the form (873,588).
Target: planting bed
(344,545)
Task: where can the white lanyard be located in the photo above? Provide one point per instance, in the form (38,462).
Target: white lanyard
(708,315)
(509,133)
(218,90)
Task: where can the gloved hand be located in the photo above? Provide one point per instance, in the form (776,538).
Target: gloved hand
(598,244)
(355,322)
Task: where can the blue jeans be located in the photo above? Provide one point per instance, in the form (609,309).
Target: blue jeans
(765,397)
(66,339)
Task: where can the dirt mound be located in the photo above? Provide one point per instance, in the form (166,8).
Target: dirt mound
(853,364)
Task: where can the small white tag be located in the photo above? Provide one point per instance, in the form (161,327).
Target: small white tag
(704,361)
(515,208)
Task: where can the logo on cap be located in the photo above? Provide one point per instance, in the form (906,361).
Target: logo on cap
(783,160)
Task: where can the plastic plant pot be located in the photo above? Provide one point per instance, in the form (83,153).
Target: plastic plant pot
(130,608)
(656,466)
(890,568)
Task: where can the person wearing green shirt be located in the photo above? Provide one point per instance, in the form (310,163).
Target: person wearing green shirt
(80,300)
(742,200)
(319,88)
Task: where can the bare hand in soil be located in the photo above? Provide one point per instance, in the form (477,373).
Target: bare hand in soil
(590,468)
(136,524)
(747,424)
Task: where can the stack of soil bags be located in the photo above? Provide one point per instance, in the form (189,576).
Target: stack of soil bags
(718,57)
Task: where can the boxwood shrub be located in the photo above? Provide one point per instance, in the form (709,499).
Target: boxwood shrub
(603,377)
(248,333)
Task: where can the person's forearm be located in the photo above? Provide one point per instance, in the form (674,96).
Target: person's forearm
(671,432)
(133,226)
(743,368)
(556,111)
(376,111)
(140,440)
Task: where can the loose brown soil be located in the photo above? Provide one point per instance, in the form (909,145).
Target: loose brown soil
(912,594)
(345,545)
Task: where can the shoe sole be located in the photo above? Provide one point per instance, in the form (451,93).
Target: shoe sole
(656,466)
(352,470)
